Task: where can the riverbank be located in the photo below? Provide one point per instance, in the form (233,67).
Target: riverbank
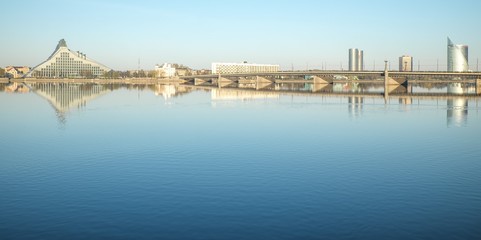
(97,81)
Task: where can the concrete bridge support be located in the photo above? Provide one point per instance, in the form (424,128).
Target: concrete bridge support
(319,80)
(386,82)
(317,87)
(478,86)
(263,80)
(221,81)
(393,81)
(198,81)
(244,80)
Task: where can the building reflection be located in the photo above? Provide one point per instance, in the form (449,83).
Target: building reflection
(407,100)
(65,96)
(457,111)
(169,91)
(15,87)
(238,94)
(355,106)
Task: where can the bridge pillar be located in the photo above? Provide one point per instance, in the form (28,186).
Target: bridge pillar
(243,80)
(478,86)
(392,81)
(221,81)
(317,87)
(198,81)
(224,80)
(386,80)
(319,80)
(263,80)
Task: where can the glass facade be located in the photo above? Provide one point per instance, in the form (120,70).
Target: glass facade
(457,57)
(356,59)
(64,63)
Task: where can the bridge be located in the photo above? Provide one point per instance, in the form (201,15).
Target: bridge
(389,79)
(348,73)
(330,76)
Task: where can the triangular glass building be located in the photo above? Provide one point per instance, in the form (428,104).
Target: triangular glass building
(65,63)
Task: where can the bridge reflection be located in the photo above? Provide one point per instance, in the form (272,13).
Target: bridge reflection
(457,95)
(66,96)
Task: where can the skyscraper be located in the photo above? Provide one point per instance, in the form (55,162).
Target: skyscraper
(457,57)
(356,59)
(406,63)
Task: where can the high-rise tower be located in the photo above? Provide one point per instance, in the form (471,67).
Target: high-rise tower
(405,63)
(457,57)
(356,59)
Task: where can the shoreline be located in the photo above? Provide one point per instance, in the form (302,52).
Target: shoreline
(97,81)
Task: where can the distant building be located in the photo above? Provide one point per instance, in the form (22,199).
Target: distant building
(405,63)
(166,70)
(227,68)
(202,72)
(181,70)
(169,70)
(16,71)
(356,59)
(457,57)
(65,63)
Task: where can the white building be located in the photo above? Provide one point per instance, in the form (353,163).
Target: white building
(227,68)
(457,57)
(167,70)
(65,63)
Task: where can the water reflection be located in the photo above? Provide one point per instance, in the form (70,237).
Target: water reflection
(15,87)
(238,94)
(66,96)
(169,91)
(457,113)
(355,106)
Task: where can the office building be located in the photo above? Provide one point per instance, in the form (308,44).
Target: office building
(356,59)
(457,57)
(405,63)
(229,68)
(65,63)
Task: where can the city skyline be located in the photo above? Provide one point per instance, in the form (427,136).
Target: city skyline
(300,35)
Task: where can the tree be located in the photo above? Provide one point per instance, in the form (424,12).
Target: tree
(112,74)
(142,74)
(2,72)
(151,74)
(86,74)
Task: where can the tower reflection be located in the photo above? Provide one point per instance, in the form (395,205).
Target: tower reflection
(355,106)
(457,107)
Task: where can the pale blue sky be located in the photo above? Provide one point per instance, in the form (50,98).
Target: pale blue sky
(196,33)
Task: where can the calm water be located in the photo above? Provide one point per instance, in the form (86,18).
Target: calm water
(164,162)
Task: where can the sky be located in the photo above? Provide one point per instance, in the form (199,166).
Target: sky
(299,35)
